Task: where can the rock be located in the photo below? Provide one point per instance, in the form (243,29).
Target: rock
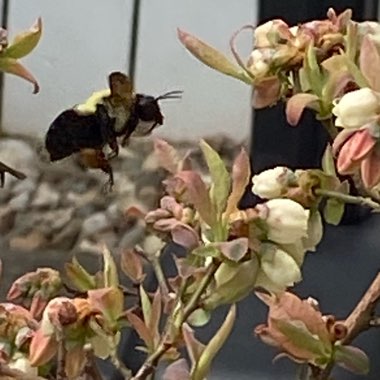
(57,219)
(149,196)
(7,219)
(28,185)
(123,184)
(151,163)
(133,236)
(20,202)
(79,200)
(67,237)
(46,196)
(30,242)
(114,212)
(95,223)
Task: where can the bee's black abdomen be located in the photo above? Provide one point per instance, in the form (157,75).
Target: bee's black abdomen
(70,132)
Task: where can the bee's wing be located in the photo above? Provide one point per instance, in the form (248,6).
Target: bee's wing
(120,86)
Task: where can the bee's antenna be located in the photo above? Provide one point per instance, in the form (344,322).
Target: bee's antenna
(170,95)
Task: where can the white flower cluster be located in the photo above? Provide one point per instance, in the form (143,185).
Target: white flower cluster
(291,230)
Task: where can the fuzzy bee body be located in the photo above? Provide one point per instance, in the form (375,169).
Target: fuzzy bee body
(107,115)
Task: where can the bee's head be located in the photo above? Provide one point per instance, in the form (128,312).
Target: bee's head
(148,109)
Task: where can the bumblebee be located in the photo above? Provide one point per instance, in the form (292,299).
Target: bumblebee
(106,116)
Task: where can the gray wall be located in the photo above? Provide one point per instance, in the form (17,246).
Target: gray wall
(84,40)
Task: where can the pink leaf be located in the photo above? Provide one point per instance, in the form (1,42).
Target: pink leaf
(340,139)
(12,66)
(370,62)
(185,235)
(142,330)
(179,370)
(296,105)
(355,149)
(370,169)
(198,195)
(241,174)
(210,56)
(234,250)
(167,155)
(266,92)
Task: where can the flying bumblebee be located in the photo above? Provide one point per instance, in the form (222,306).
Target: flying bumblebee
(107,115)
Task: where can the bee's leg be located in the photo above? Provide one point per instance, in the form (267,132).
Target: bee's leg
(115,149)
(125,140)
(105,166)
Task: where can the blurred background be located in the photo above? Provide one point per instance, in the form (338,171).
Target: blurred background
(60,209)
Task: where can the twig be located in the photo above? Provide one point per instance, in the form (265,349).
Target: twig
(359,320)
(357,200)
(61,358)
(90,370)
(151,362)
(13,172)
(160,276)
(119,365)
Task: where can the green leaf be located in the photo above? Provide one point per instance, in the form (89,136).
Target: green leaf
(241,175)
(206,251)
(353,359)
(12,66)
(203,365)
(220,178)
(233,283)
(314,231)
(25,42)
(302,338)
(110,274)
(155,315)
(354,70)
(212,57)
(328,164)
(312,71)
(79,277)
(199,317)
(110,301)
(146,306)
(333,211)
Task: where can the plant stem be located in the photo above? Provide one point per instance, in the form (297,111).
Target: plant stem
(358,200)
(155,261)
(150,363)
(330,128)
(359,320)
(61,358)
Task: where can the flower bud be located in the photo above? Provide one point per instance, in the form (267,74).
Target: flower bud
(265,34)
(287,220)
(259,62)
(272,182)
(357,108)
(21,363)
